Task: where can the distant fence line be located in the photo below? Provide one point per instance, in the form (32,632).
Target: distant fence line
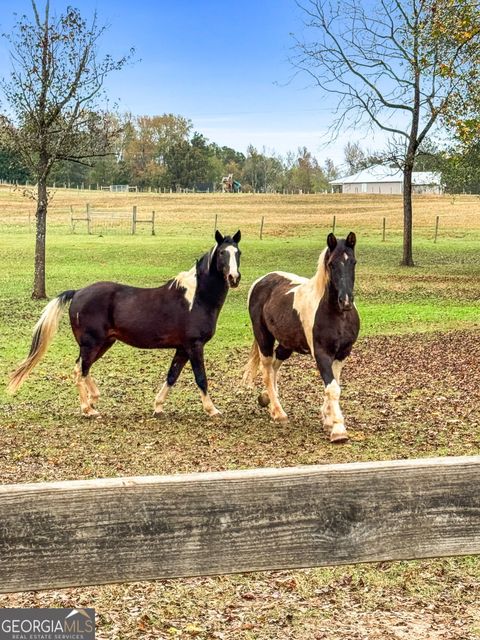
(126,188)
(127,222)
(163,190)
(109,219)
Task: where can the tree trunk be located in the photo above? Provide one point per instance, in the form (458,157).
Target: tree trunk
(407,260)
(39,291)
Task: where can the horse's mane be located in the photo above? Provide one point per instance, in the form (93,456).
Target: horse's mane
(204,263)
(320,279)
(188,279)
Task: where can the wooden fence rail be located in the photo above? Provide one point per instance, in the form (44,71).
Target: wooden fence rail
(75,533)
(110,216)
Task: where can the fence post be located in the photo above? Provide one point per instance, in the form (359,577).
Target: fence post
(71,219)
(261,227)
(383,232)
(215,226)
(436,228)
(153,223)
(334,223)
(88,219)
(134,219)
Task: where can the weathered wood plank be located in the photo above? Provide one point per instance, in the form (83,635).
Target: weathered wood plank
(114,530)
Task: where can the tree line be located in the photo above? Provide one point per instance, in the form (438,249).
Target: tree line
(165,152)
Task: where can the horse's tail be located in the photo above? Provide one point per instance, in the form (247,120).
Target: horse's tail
(43,334)
(253,365)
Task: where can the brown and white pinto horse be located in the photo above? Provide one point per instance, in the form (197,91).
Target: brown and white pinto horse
(316,316)
(181,314)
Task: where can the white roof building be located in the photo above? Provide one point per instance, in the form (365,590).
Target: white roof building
(381,179)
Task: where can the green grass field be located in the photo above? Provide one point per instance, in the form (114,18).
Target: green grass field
(411,390)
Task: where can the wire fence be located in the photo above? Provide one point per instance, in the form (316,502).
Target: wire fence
(264,216)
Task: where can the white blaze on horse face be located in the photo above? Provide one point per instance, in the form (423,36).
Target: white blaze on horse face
(232,262)
(187,280)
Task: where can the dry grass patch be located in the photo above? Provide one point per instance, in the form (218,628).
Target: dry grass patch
(284,214)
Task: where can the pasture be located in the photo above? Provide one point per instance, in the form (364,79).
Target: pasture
(411,389)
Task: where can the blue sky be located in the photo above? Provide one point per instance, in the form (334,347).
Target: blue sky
(223,65)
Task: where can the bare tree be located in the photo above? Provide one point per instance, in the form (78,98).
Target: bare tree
(401,66)
(53,97)
(354,157)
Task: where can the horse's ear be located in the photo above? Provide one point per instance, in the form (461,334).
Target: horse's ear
(351,240)
(218,237)
(331,241)
(237,237)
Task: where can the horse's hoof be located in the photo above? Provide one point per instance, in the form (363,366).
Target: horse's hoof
(339,438)
(280,418)
(263,399)
(215,414)
(93,413)
(158,414)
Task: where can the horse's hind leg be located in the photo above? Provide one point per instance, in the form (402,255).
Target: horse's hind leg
(281,354)
(266,341)
(90,352)
(93,392)
(179,361)
(86,405)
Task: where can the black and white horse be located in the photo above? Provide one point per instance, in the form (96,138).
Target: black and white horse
(181,314)
(315,316)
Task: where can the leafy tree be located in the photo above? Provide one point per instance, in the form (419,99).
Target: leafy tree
(52,95)
(252,168)
(330,170)
(11,167)
(403,66)
(461,168)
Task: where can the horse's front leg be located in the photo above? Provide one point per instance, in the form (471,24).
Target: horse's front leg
(332,415)
(180,359)
(195,353)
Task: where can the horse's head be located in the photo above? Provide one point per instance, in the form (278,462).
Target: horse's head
(227,256)
(340,263)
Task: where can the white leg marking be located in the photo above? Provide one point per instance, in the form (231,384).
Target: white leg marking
(93,392)
(337,366)
(208,405)
(269,375)
(160,398)
(276,364)
(83,392)
(332,414)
